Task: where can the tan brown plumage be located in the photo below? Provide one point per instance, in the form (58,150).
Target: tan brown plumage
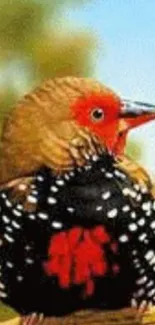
(41,129)
(136,172)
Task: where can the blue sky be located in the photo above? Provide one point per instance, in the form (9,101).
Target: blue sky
(125,57)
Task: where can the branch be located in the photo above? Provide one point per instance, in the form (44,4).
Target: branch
(91,317)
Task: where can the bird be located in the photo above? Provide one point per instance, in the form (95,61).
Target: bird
(77,216)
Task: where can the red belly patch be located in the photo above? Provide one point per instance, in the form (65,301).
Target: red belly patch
(77,256)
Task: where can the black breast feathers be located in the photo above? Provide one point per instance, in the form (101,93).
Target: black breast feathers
(88,244)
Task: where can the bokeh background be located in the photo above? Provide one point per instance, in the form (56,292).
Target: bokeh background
(110,40)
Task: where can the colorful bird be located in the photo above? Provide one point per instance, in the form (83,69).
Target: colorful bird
(77,224)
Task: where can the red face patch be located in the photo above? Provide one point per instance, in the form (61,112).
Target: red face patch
(77,256)
(100,114)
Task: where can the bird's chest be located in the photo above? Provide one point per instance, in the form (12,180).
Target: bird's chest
(86,226)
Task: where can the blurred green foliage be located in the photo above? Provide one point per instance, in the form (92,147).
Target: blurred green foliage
(6,313)
(36,43)
(134,149)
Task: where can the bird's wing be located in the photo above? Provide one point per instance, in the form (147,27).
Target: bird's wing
(136,172)
(18,191)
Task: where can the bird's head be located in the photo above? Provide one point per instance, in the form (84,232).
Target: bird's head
(110,118)
(58,123)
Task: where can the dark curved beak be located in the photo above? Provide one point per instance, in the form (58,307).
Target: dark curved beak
(134,114)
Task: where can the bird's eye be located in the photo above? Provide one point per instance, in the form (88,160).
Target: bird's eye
(97,114)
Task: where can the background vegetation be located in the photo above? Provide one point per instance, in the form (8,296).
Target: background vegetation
(36,45)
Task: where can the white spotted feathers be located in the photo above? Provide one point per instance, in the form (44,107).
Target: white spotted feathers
(96,194)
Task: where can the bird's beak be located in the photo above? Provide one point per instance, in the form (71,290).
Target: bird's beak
(134,114)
